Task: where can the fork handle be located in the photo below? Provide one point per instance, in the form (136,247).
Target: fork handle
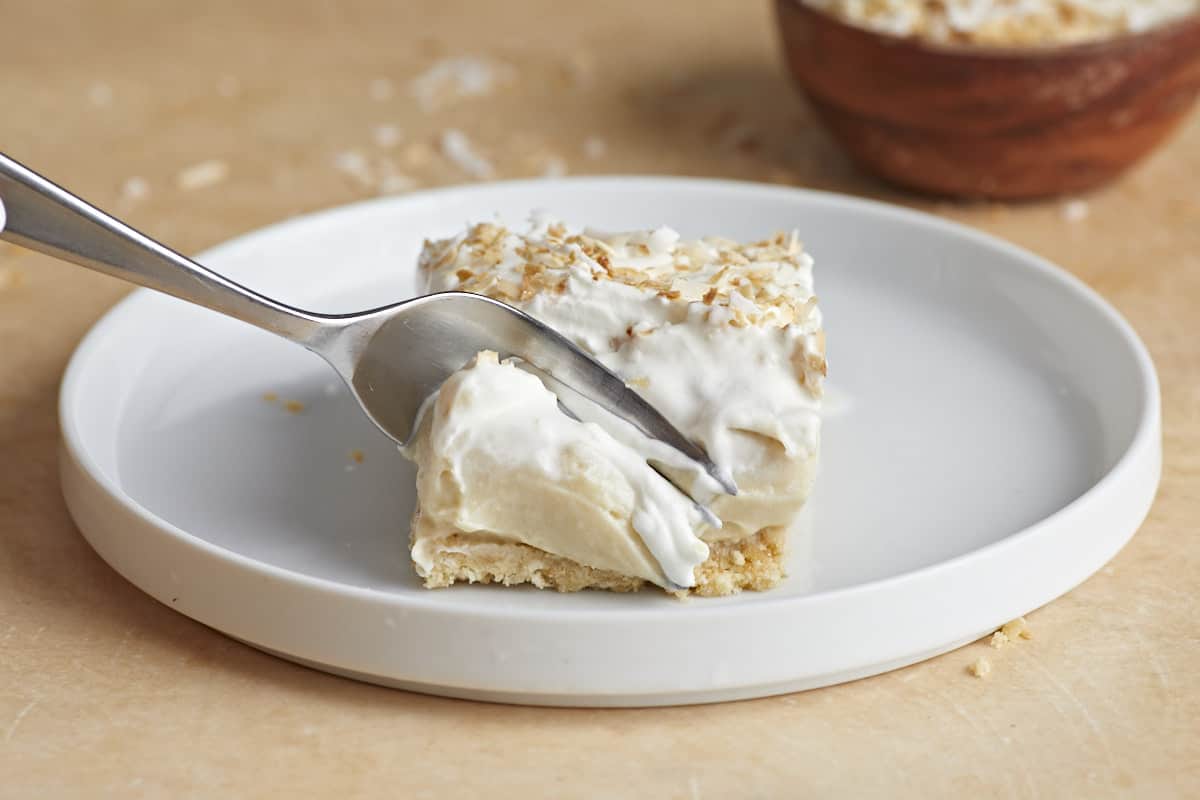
(45,217)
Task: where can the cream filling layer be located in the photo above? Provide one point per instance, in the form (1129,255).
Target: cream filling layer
(497,458)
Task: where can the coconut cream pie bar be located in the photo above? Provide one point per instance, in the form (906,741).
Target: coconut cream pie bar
(518,481)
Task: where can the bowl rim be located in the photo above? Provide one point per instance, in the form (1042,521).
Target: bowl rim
(1045,52)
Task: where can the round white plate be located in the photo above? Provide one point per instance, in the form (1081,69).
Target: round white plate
(992,439)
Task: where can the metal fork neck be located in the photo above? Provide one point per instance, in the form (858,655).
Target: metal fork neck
(45,217)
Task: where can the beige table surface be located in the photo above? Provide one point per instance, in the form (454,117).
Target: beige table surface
(105,692)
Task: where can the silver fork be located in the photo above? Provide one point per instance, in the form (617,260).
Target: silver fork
(392,357)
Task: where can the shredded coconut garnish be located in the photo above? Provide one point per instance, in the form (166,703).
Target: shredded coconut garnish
(134,189)
(354,164)
(453,78)
(394,182)
(594,147)
(754,283)
(202,175)
(554,167)
(1075,210)
(458,149)
(981,667)
(1008,22)
(1017,628)
(386,136)
(376,174)
(10,278)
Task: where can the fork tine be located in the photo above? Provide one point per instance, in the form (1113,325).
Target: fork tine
(550,351)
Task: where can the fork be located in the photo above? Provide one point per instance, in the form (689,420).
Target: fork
(393,357)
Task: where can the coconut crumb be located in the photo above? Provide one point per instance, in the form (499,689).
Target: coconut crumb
(456,147)
(454,78)
(554,167)
(10,278)
(135,189)
(203,175)
(355,165)
(1075,210)
(386,136)
(392,182)
(981,668)
(999,639)
(1008,23)
(746,290)
(594,147)
(1017,628)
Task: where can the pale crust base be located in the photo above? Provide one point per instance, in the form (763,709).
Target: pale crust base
(755,563)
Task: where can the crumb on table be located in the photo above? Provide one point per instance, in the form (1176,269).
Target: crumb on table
(1017,628)
(981,667)
(10,278)
(594,147)
(293,406)
(202,175)
(357,456)
(270,397)
(134,188)
(1075,210)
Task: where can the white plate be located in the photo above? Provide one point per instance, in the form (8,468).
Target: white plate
(993,439)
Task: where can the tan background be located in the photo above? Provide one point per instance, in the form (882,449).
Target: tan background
(105,692)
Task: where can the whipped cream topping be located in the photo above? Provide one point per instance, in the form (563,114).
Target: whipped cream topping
(724,338)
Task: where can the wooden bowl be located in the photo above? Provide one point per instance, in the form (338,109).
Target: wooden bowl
(986,123)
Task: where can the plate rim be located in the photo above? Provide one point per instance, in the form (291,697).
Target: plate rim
(1145,435)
